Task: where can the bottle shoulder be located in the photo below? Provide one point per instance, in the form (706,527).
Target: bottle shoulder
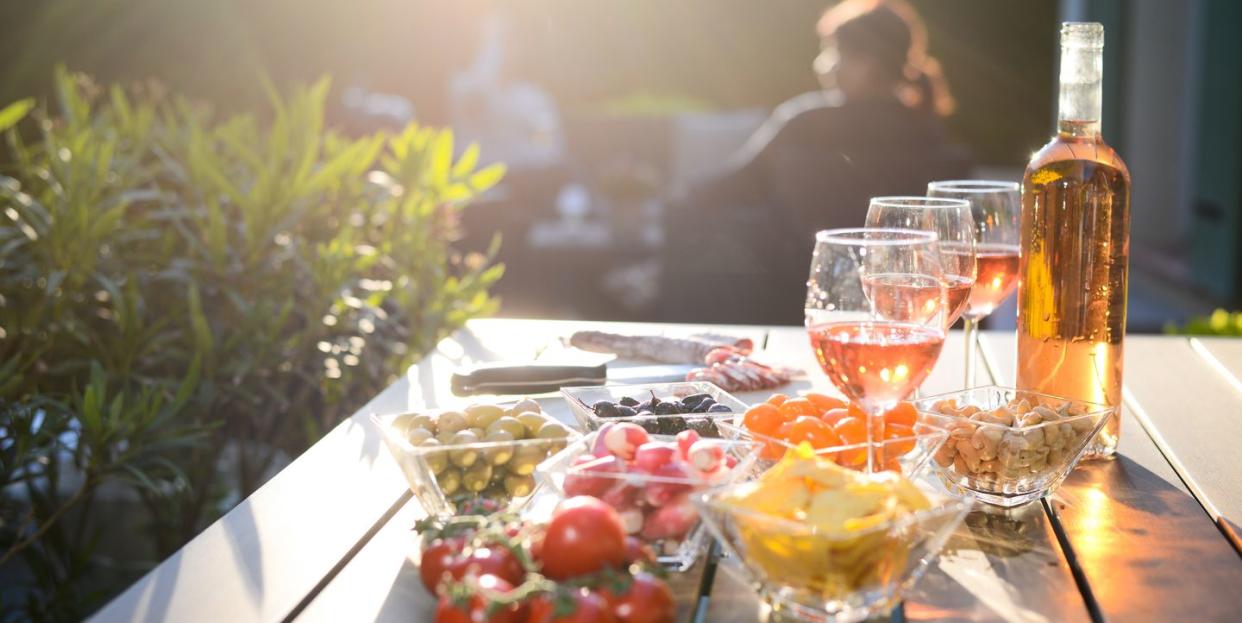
(1063,148)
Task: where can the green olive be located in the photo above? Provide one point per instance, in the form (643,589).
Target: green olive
(418,436)
(554,430)
(464,457)
(478,432)
(416,422)
(498,455)
(524,405)
(404,422)
(477,477)
(526,457)
(519,485)
(451,422)
(510,425)
(449,481)
(437,460)
(446,437)
(482,416)
(532,422)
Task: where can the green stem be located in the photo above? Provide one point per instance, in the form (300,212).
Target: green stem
(89,484)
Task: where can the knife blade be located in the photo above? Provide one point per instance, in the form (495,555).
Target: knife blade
(525,378)
(540,377)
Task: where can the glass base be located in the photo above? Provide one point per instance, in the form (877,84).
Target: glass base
(778,609)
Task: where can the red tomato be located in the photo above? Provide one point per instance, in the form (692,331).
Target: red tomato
(582,606)
(637,551)
(490,560)
(584,536)
(438,559)
(476,609)
(648,600)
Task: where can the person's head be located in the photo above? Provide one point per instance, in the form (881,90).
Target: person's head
(873,48)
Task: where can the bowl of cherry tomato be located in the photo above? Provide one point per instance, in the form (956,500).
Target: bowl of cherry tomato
(900,440)
(649,479)
(494,569)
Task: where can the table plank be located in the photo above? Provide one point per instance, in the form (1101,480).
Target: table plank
(1146,547)
(999,566)
(255,564)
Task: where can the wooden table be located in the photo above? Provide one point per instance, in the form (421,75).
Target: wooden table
(1146,536)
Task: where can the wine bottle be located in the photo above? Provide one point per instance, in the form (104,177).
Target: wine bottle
(1075,247)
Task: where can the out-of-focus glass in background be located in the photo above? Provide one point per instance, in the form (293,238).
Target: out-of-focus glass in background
(608,114)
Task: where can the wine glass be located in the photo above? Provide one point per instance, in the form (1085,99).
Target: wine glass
(876,314)
(953,224)
(997,208)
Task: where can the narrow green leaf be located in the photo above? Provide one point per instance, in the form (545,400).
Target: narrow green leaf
(11,114)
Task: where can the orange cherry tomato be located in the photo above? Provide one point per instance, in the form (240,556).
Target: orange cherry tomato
(851,430)
(904,414)
(777,399)
(811,430)
(898,448)
(823,403)
(772,451)
(798,406)
(832,416)
(763,418)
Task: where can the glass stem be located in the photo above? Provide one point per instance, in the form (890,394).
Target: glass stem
(970,328)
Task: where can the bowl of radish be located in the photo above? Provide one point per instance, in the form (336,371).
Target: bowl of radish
(649,480)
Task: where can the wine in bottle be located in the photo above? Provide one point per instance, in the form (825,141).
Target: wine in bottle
(1075,247)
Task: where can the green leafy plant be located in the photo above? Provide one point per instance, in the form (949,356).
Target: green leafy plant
(188,300)
(1221,322)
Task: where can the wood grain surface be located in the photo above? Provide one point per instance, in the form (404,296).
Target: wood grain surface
(1147,549)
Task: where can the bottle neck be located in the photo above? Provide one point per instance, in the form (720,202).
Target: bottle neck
(1082,71)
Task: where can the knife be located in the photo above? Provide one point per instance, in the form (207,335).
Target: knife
(538,377)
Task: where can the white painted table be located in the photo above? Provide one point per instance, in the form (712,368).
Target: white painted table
(1146,536)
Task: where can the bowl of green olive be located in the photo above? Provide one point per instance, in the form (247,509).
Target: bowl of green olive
(480,456)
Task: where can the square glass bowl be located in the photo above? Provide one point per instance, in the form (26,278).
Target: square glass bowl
(1008,447)
(654,508)
(582,399)
(907,454)
(465,478)
(807,574)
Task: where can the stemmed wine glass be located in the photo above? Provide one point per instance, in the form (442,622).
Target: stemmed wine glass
(876,314)
(953,224)
(996,207)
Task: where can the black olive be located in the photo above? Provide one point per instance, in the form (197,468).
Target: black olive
(690,401)
(629,402)
(624,411)
(719,408)
(667,408)
(705,428)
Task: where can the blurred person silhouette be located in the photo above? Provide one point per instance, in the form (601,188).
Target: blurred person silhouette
(875,128)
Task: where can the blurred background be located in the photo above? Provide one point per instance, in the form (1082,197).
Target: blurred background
(237,282)
(606,111)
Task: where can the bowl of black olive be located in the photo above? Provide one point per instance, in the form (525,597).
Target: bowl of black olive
(661,409)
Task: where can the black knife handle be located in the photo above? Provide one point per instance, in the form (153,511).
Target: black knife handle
(525,378)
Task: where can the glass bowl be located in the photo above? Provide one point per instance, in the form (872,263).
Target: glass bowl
(907,454)
(581,399)
(656,509)
(466,478)
(811,575)
(1011,461)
